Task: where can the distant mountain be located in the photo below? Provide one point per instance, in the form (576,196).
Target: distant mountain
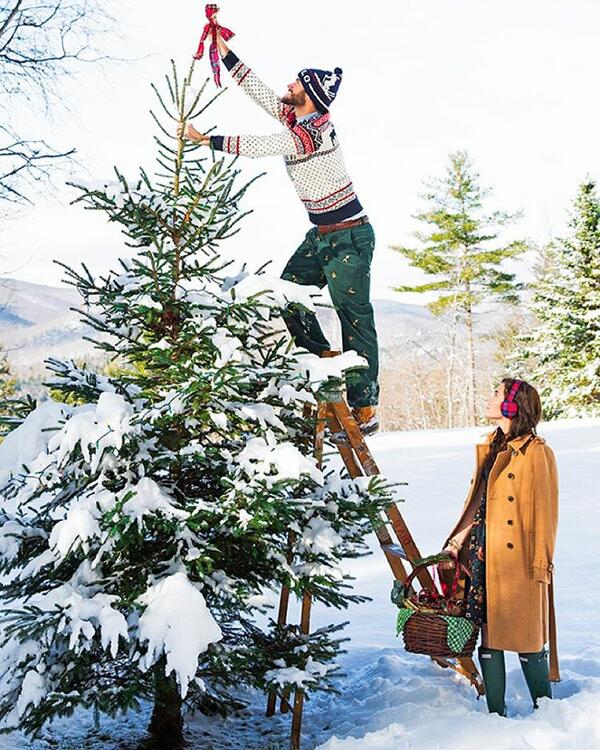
(8,319)
(34,303)
(36,322)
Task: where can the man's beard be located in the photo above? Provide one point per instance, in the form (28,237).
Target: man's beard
(296,100)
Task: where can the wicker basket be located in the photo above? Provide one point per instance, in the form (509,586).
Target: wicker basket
(426,632)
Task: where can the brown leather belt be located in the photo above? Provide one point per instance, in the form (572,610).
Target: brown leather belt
(324,228)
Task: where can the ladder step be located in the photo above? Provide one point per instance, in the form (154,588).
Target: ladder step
(396,550)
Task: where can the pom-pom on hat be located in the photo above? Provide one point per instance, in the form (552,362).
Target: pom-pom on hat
(321,85)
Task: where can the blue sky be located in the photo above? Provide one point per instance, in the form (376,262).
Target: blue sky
(514,83)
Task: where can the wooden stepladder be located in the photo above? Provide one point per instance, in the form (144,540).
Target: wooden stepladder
(337,417)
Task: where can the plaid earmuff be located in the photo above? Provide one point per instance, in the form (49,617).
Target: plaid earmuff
(509,406)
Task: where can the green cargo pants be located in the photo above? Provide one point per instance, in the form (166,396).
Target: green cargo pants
(342,260)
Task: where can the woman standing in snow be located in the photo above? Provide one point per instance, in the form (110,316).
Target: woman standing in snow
(506,536)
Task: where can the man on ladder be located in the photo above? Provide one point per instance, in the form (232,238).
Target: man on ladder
(338,249)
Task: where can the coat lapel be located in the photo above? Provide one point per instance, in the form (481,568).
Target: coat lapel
(501,462)
(514,446)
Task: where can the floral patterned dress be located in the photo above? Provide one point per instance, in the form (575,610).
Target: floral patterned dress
(476,599)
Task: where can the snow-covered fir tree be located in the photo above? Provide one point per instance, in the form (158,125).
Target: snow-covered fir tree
(146,514)
(560,351)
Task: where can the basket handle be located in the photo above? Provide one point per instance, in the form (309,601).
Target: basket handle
(427,561)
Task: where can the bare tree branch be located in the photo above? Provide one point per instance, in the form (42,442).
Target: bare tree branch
(12,13)
(41,41)
(22,162)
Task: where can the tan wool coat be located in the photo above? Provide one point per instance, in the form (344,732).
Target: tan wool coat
(521,521)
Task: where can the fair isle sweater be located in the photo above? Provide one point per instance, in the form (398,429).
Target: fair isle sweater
(309,145)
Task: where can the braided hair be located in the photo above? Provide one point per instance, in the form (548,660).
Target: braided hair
(497,445)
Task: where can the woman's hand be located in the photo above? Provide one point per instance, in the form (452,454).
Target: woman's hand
(452,552)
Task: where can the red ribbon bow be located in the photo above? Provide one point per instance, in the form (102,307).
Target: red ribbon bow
(211,28)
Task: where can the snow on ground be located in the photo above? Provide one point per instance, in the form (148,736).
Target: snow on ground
(391,700)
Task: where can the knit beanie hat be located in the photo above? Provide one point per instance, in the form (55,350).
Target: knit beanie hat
(321,85)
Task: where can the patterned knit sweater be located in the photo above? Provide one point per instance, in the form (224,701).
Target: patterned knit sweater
(310,147)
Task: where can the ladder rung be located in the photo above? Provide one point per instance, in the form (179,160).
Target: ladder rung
(395,549)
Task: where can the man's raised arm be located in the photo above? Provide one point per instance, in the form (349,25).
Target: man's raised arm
(255,146)
(251,83)
(286,143)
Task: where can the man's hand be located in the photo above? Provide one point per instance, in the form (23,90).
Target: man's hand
(187,130)
(223,48)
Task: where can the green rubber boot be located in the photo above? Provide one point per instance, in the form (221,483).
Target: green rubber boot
(535,669)
(493,671)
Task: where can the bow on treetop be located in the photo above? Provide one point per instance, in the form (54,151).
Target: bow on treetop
(211,28)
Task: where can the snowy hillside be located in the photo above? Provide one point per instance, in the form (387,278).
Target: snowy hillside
(391,700)
(36,322)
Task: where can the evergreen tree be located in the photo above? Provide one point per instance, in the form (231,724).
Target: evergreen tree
(140,538)
(7,383)
(560,352)
(11,409)
(462,251)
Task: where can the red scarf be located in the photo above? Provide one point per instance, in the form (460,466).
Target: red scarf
(211,28)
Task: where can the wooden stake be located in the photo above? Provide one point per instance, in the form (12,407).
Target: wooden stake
(284,600)
(299,695)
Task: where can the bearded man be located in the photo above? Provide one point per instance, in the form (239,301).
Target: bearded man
(338,248)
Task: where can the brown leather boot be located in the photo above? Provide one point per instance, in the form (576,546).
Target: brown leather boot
(366,418)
